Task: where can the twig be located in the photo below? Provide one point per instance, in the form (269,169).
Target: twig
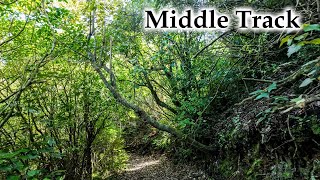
(199,52)
(258,80)
(16,35)
(282,144)
(307,100)
(315,142)
(3,3)
(246,99)
(286,80)
(318,9)
(292,137)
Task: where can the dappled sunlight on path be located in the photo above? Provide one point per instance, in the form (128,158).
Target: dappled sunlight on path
(143,165)
(158,168)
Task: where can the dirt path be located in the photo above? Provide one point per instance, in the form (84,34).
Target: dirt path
(158,168)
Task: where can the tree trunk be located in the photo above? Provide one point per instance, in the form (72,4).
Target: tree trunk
(145,117)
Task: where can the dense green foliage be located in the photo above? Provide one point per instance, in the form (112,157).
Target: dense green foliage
(81,83)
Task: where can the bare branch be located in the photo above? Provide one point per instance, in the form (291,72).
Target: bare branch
(208,45)
(18,34)
(7,3)
(155,95)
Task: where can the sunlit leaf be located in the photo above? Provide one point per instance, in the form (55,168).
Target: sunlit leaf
(296,99)
(313,72)
(314,41)
(33,173)
(263,95)
(286,39)
(293,49)
(272,86)
(306,82)
(302,36)
(311,27)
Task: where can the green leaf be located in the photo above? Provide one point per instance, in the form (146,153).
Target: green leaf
(289,42)
(29,156)
(6,168)
(302,36)
(12,154)
(313,72)
(314,41)
(263,95)
(51,142)
(295,100)
(33,173)
(316,129)
(19,166)
(12,177)
(30,110)
(257,92)
(185,122)
(280,98)
(272,87)
(306,82)
(311,27)
(293,49)
(286,39)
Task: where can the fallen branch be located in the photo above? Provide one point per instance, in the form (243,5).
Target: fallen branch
(303,103)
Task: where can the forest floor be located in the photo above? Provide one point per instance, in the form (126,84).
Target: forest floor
(158,167)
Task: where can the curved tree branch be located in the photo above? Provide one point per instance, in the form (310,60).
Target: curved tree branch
(208,45)
(15,36)
(155,95)
(147,118)
(8,3)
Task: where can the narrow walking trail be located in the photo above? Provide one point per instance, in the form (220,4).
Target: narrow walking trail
(158,167)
